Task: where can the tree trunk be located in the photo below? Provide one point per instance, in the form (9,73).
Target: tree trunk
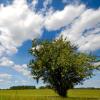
(62,92)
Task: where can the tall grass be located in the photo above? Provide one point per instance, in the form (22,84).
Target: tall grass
(43,98)
(46,94)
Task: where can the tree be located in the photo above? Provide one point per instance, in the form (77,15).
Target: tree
(59,64)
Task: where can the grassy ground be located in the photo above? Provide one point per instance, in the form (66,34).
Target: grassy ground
(46,94)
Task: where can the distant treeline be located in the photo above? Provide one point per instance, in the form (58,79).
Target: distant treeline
(41,87)
(22,87)
(45,87)
(27,87)
(88,88)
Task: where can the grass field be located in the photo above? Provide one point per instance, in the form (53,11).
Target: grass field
(47,94)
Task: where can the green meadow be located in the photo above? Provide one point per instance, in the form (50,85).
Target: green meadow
(47,94)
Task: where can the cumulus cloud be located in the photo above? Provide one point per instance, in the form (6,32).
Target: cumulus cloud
(81,25)
(85,30)
(34,3)
(18,24)
(62,18)
(46,3)
(23,69)
(7,45)
(4,62)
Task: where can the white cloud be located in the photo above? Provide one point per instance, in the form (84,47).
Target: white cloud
(4,61)
(23,69)
(46,3)
(34,3)
(5,76)
(2,81)
(7,45)
(24,82)
(85,31)
(62,18)
(90,83)
(97,63)
(18,24)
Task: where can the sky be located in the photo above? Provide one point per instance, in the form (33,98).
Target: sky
(21,21)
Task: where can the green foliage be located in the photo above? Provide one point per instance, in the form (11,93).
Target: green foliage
(59,64)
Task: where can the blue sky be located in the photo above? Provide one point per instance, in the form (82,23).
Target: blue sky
(23,20)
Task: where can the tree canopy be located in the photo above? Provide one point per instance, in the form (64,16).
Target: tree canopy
(59,64)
